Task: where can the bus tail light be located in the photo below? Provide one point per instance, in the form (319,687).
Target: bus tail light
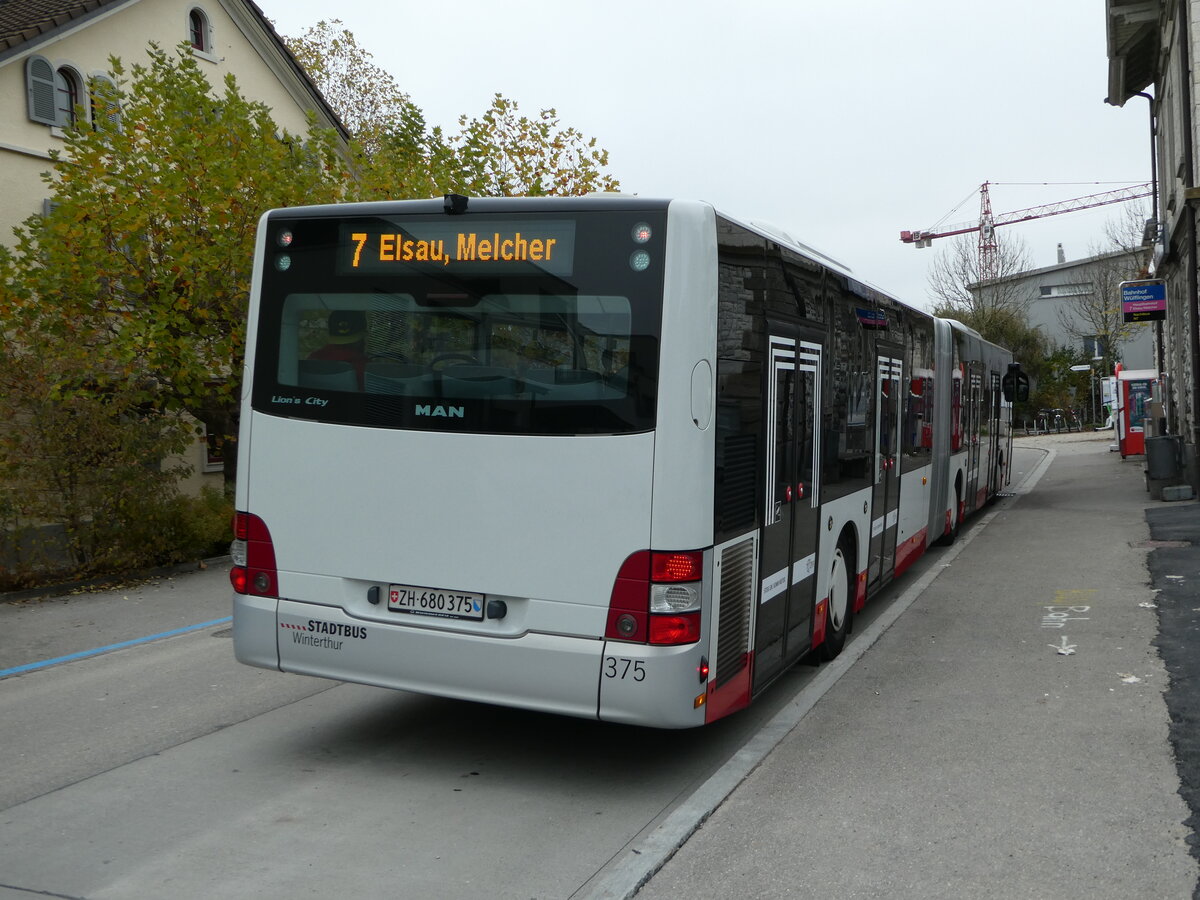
(676,567)
(253,554)
(656,599)
(683,629)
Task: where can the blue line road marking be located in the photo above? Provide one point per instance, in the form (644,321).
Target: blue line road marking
(84,654)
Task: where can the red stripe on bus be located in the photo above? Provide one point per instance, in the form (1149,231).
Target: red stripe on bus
(910,551)
(732,696)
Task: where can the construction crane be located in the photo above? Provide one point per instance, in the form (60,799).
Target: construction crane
(988,223)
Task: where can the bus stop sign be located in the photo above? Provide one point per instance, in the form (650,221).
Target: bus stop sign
(1144,301)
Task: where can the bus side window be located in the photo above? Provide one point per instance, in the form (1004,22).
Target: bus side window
(738,417)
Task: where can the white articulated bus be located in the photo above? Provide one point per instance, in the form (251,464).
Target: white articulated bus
(610,457)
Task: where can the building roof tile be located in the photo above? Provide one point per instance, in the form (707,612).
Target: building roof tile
(22,21)
(26,20)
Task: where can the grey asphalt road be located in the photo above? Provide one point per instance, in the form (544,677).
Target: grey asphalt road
(951,751)
(164,768)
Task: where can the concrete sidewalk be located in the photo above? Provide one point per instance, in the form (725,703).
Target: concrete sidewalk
(1007,737)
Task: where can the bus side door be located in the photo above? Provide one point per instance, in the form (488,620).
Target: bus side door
(787,557)
(885,498)
(995,479)
(975,412)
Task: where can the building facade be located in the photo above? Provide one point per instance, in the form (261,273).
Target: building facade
(52,52)
(1077,304)
(1152,48)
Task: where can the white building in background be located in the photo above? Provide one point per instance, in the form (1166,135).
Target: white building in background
(1066,301)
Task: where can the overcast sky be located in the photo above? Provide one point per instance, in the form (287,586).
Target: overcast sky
(841,122)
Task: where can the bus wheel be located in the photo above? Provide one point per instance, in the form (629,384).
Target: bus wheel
(838,609)
(949,538)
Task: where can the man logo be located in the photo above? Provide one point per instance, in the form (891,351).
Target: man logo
(445,412)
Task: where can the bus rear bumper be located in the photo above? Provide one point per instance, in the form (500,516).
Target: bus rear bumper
(550,673)
(657,686)
(254,641)
(573,676)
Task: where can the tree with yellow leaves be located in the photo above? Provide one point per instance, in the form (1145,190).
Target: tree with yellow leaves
(499,153)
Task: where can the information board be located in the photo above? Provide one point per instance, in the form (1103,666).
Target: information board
(1144,301)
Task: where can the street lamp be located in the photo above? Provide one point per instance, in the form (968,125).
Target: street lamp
(1091,389)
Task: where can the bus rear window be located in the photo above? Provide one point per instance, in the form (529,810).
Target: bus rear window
(511,347)
(534,350)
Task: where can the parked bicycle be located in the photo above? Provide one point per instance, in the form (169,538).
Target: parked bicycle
(1055,421)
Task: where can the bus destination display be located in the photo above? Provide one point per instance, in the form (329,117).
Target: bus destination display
(380,247)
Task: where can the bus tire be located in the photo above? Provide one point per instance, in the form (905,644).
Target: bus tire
(840,606)
(952,535)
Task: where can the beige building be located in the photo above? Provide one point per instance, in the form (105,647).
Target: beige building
(52,50)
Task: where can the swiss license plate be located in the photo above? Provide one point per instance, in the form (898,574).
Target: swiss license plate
(425,601)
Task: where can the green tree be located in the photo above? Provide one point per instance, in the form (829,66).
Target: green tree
(367,98)
(504,154)
(499,153)
(1058,387)
(81,487)
(139,278)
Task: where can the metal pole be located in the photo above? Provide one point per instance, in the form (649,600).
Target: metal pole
(1088,368)
(1092,391)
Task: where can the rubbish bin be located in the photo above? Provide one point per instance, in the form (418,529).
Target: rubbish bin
(1162,457)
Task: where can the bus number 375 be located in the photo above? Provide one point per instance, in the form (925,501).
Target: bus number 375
(622,668)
